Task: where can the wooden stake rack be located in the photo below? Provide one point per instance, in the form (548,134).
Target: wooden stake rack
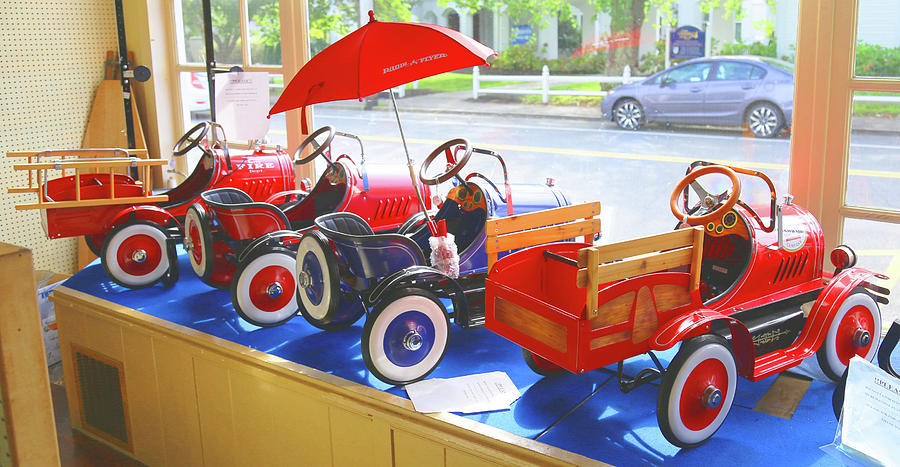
(79,162)
(616,261)
(535,228)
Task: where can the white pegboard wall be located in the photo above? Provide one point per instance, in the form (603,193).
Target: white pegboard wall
(52,55)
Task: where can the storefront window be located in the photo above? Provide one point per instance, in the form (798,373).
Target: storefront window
(246,33)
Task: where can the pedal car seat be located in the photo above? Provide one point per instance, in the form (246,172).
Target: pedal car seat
(326,197)
(240,217)
(369,254)
(200,179)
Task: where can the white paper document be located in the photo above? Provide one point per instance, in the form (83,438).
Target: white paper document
(483,392)
(871,419)
(242,103)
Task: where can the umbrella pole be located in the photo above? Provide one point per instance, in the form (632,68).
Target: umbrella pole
(412,174)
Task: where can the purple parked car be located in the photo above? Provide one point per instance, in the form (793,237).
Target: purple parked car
(714,90)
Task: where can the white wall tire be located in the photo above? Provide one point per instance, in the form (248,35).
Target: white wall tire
(318,280)
(135,254)
(857,312)
(263,292)
(405,337)
(685,414)
(198,241)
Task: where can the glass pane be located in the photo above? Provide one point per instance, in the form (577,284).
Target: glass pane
(877,245)
(195,103)
(189,32)
(277,127)
(265,32)
(874,168)
(578,128)
(226,25)
(878,39)
(194,98)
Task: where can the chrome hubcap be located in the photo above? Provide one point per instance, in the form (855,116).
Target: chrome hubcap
(861,338)
(628,116)
(274,290)
(139,256)
(763,121)
(304,280)
(412,341)
(712,397)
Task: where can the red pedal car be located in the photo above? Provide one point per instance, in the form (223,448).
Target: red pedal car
(743,297)
(251,246)
(132,229)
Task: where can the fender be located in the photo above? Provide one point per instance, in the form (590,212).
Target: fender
(827,305)
(418,275)
(145,212)
(271,237)
(679,328)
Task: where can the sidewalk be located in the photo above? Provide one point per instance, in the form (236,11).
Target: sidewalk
(461,102)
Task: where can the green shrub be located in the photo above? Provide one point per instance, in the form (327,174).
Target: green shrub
(524,59)
(877,60)
(756,48)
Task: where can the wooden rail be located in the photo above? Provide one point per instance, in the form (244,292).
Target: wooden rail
(607,263)
(535,228)
(85,161)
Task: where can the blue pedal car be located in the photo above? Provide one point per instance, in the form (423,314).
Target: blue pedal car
(388,275)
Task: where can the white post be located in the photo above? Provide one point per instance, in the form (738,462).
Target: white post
(416,84)
(708,44)
(668,45)
(401,91)
(476,75)
(626,74)
(545,84)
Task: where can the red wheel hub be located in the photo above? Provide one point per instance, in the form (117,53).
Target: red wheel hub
(696,392)
(196,244)
(856,322)
(272,288)
(139,255)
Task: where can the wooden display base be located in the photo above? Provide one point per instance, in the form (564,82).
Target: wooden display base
(163,393)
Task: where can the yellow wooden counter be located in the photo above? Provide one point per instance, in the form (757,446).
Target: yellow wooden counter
(166,394)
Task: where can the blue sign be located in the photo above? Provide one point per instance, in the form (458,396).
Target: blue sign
(687,42)
(522,34)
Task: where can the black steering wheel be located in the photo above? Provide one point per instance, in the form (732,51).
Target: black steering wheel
(317,148)
(191,139)
(453,167)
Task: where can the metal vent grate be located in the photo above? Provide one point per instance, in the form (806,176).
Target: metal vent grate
(102,406)
(790,267)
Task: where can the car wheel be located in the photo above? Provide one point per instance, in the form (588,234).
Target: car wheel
(541,365)
(263,292)
(318,282)
(135,254)
(198,241)
(697,391)
(765,120)
(629,114)
(405,336)
(95,243)
(855,330)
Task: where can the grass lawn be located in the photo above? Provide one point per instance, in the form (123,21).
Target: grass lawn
(449,82)
(577,101)
(876,109)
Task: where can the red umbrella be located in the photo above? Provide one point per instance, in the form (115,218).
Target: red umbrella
(378,56)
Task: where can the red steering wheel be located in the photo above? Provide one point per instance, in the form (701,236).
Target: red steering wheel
(711,206)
